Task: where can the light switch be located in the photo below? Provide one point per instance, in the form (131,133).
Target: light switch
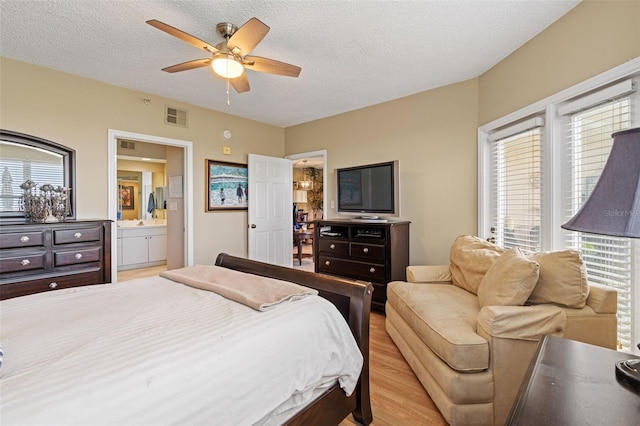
(226,150)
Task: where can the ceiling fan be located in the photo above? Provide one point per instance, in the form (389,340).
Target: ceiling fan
(229,58)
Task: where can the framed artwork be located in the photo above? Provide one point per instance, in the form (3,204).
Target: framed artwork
(126,197)
(226,186)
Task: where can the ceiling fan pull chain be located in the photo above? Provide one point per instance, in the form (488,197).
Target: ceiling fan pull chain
(228,100)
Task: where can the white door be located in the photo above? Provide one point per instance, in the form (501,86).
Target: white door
(270,208)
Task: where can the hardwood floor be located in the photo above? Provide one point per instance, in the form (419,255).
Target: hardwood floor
(132,274)
(397,397)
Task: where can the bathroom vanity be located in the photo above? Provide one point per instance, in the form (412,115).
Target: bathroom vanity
(141,246)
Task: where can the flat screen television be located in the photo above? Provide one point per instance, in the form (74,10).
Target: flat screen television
(370,191)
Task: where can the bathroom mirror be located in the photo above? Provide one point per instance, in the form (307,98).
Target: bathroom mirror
(24,157)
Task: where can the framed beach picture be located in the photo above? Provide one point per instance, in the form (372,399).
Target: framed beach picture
(227,186)
(126,197)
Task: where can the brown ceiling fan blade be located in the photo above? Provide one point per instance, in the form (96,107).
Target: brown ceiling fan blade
(247,37)
(188,38)
(271,66)
(189,65)
(241,83)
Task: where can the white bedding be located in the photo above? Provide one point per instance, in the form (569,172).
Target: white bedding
(152,351)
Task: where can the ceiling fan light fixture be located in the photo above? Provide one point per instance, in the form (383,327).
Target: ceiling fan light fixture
(225,65)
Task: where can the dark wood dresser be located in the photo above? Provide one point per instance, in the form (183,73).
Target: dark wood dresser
(36,257)
(376,252)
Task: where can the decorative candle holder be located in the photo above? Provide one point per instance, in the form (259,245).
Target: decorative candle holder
(45,204)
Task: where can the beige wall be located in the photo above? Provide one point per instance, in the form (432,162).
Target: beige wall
(433,135)
(592,38)
(77,112)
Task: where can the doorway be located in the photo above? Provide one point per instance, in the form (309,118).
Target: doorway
(309,202)
(178,194)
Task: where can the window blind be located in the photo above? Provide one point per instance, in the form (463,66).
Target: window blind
(16,172)
(608,259)
(516,186)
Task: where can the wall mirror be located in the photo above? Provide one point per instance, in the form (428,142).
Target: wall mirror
(25,157)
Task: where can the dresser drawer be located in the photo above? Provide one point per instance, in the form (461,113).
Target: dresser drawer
(24,287)
(336,248)
(20,263)
(22,239)
(78,235)
(364,271)
(368,252)
(86,255)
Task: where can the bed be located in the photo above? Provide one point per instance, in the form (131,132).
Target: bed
(90,355)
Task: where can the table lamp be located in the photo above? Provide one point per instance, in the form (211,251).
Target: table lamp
(613,208)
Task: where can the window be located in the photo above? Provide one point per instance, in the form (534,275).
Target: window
(535,174)
(608,259)
(515,185)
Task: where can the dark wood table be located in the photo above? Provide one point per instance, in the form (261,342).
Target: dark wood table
(573,383)
(298,238)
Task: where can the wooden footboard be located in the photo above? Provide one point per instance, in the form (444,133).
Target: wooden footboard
(353,300)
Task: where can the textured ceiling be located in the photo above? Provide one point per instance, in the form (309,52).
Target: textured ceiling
(353,53)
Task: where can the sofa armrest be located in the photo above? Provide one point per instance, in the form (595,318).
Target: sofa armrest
(602,299)
(429,274)
(522,322)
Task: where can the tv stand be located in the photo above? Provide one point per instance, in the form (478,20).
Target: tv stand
(376,251)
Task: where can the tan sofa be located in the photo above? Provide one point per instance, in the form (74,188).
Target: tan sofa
(469,329)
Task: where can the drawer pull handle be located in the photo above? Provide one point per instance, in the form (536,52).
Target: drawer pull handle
(53,285)
(24,239)
(25,262)
(366,250)
(332,246)
(327,263)
(78,256)
(372,270)
(77,235)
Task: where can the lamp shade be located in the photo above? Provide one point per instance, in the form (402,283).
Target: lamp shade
(299,196)
(613,208)
(226,66)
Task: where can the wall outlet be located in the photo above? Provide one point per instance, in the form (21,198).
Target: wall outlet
(226,150)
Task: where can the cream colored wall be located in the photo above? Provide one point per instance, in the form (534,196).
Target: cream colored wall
(77,112)
(593,37)
(433,135)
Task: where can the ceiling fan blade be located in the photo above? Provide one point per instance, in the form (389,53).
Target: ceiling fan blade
(189,65)
(241,83)
(188,38)
(247,37)
(271,66)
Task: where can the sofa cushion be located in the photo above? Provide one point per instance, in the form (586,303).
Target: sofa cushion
(563,279)
(470,258)
(509,281)
(444,318)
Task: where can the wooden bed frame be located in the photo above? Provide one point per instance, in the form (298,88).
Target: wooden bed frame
(353,300)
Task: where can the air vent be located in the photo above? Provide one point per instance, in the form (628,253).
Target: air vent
(129,145)
(175,116)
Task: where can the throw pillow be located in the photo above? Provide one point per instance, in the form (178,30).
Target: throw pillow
(563,279)
(470,258)
(509,281)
